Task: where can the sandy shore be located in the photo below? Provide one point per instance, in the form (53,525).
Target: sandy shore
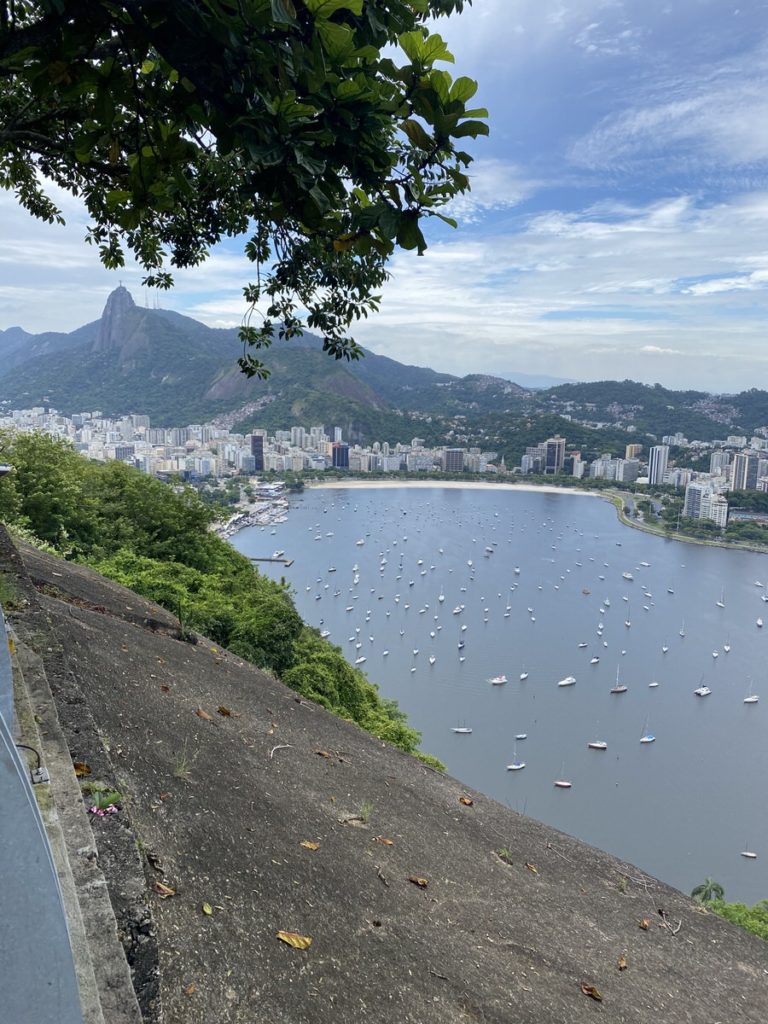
(479,485)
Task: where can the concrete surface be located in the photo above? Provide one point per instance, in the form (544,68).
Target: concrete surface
(220,804)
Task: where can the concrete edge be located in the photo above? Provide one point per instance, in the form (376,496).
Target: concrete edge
(106,988)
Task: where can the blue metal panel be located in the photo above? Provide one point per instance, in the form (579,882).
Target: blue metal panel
(37,974)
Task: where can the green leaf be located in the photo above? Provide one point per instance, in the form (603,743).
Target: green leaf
(473,128)
(323,9)
(416,134)
(283,12)
(148,66)
(409,234)
(463,89)
(338,40)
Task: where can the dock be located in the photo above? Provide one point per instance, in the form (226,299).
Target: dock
(287,562)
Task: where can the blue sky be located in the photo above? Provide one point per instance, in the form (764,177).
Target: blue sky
(617,227)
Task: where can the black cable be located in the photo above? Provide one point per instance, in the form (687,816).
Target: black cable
(24,746)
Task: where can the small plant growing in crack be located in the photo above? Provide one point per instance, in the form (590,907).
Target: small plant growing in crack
(182,764)
(365,811)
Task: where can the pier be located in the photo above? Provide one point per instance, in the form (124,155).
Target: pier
(287,562)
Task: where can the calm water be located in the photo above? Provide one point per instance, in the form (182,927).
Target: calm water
(682,807)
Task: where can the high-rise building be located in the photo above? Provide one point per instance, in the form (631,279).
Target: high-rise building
(692,503)
(744,471)
(453,460)
(657,463)
(632,451)
(340,455)
(714,507)
(555,454)
(627,470)
(337,434)
(257,451)
(719,463)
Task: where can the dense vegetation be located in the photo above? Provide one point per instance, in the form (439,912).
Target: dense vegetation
(156,540)
(752,919)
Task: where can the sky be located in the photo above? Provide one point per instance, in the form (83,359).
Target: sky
(617,225)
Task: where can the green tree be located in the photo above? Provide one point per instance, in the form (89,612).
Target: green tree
(323,128)
(707,891)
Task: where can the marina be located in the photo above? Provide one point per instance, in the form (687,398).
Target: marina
(536,613)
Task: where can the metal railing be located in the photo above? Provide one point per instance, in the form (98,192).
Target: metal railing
(37,975)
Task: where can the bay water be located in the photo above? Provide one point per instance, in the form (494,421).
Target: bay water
(500,582)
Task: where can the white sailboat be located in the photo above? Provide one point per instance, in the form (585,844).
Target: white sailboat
(749,854)
(647,736)
(750,698)
(721,602)
(618,687)
(462,730)
(523,676)
(682,628)
(568,681)
(517,765)
(596,745)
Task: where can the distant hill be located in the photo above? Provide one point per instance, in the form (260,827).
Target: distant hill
(177,371)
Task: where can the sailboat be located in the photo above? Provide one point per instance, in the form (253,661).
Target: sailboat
(463,730)
(441,596)
(516,763)
(727,645)
(721,602)
(647,737)
(618,687)
(523,676)
(664,647)
(749,854)
(596,745)
(751,698)
(682,628)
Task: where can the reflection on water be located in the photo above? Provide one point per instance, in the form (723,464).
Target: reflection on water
(451,590)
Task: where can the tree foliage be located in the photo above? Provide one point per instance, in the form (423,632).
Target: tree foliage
(323,128)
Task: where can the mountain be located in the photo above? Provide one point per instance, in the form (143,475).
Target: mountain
(177,370)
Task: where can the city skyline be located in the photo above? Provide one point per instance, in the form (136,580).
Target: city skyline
(615,228)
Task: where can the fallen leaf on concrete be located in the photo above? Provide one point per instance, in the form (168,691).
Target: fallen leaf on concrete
(81,769)
(591,991)
(165,688)
(295,940)
(207,909)
(227,712)
(421,882)
(622,963)
(323,753)
(466,800)
(204,715)
(163,890)
(645,924)
(308,845)
(190,989)
(532,868)
(383,841)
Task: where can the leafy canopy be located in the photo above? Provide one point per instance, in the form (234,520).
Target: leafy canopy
(322,128)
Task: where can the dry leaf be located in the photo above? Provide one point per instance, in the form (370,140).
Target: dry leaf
(591,991)
(163,890)
(190,989)
(227,712)
(323,753)
(81,769)
(532,868)
(645,924)
(622,963)
(207,909)
(165,689)
(295,940)
(164,796)
(383,841)
(421,882)
(204,715)
(466,800)
(309,845)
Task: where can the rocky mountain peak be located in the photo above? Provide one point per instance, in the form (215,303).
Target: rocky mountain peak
(119,307)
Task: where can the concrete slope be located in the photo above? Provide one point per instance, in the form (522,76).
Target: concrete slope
(414,915)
